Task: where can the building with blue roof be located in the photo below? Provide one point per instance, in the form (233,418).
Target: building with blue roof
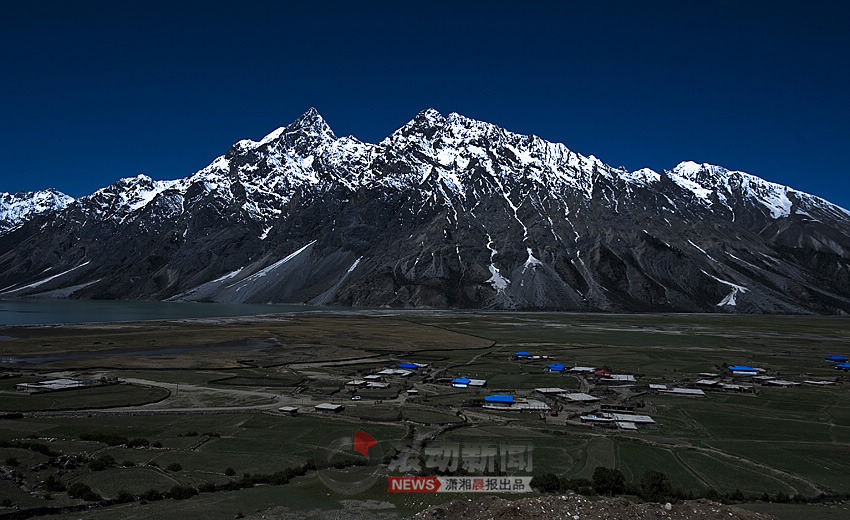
(499,400)
(408,365)
(836,358)
(843,366)
(556,367)
(742,368)
(461,382)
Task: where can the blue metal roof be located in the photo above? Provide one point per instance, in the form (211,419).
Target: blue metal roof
(408,365)
(742,368)
(522,353)
(499,398)
(557,366)
(843,365)
(461,380)
(836,358)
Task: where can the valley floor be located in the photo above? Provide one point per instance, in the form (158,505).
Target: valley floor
(197,408)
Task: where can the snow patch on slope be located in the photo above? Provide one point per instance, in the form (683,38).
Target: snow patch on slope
(44,281)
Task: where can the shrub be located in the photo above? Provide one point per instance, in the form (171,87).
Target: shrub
(608,481)
(12,461)
(53,484)
(157,444)
(151,495)
(581,486)
(125,496)
(174,466)
(654,486)
(101,463)
(83,492)
(182,492)
(546,482)
(230,472)
(128,463)
(137,443)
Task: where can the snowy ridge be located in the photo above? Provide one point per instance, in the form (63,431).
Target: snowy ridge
(449,155)
(417,218)
(18,208)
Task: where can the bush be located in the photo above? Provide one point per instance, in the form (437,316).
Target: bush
(83,492)
(182,492)
(12,461)
(53,484)
(278,479)
(607,481)
(101,463)
(230,472)
(581,486)
(125,496)
(654,486)
(6,502)
(137,443)
(128,463)
(157,444)
(151,495)
(546,482)
(174,466)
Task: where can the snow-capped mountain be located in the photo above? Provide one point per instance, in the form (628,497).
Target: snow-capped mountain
(445,212)
(18,208)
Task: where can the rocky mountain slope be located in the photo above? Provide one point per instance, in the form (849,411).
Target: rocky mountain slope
(445,212)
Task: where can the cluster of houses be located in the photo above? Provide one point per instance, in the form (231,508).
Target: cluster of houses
(585,406)
(375,380)
(839,362)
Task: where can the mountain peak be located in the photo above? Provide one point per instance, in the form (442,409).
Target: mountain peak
(311,122)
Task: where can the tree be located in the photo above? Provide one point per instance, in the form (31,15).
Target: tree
(182,492)
(608,481)
(654,486)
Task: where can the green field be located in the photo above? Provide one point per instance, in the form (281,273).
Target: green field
(95,397)
(211,414)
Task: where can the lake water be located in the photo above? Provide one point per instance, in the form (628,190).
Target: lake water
(36,312)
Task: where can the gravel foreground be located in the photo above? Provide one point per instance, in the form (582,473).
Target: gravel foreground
(577,507)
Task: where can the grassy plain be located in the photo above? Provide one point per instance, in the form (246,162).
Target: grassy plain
(233,373)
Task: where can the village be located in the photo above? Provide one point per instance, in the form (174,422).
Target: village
(602,398)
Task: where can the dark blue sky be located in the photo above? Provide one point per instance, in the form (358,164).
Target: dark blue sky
(92,92)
